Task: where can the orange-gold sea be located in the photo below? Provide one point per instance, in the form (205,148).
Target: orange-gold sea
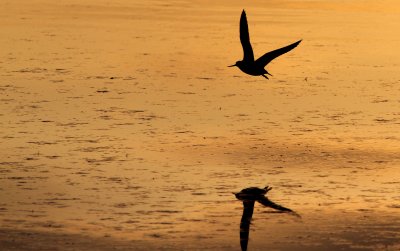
(122,128)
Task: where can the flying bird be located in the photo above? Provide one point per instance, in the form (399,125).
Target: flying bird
(248,65)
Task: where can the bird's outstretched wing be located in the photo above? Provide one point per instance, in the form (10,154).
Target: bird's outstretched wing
(245,39)
(266,202)
(269,56)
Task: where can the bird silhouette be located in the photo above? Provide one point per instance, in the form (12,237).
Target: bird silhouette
(248,65)
(249,196)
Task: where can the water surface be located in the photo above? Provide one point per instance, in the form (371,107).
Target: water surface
(121,120)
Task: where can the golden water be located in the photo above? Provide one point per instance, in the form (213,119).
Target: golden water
(120,118)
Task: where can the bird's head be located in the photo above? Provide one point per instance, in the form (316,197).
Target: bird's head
(236,64)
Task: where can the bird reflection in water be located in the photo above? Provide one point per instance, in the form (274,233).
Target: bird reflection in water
(249,196)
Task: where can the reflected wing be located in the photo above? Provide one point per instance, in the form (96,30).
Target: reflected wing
(245,39)
(248,208)
(266,202)
(269,56)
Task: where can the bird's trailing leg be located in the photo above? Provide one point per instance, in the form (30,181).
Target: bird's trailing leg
(267,189)
(265,76)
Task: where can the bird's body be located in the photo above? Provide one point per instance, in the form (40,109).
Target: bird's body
(251,68)
(258,194)
(252,193)
(256,67)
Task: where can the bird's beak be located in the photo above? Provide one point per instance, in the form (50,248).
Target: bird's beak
(232,65)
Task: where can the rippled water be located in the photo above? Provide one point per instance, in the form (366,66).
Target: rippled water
(122,120)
